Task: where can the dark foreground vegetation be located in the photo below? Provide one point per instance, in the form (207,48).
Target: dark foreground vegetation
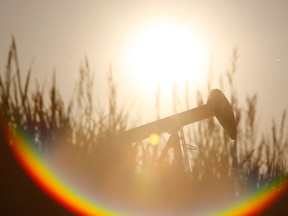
(78,134)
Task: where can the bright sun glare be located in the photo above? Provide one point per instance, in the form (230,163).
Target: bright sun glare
(167,53)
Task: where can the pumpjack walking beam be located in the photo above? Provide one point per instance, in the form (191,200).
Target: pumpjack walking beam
(217,105)
(167,124)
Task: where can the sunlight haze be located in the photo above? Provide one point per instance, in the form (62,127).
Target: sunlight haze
(59,34)
(166,53)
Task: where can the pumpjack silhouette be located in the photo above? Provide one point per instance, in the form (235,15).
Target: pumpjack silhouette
(217,105)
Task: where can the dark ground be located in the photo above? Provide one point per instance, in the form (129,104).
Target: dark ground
(18,193)
(20,196)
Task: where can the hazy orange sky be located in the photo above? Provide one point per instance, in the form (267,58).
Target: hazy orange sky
(58,34)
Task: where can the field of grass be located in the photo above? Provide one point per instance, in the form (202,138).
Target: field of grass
(83,139)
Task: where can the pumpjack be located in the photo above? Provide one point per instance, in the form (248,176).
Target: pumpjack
(217,106)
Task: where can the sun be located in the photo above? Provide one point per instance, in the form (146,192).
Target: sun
(165,54)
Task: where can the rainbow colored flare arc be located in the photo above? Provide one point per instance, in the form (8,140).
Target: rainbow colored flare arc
(33,163)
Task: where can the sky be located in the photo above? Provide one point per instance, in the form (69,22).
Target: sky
(59,34)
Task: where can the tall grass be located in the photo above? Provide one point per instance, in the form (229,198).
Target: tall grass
(81,136)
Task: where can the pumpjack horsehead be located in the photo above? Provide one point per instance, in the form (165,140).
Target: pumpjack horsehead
(217,106)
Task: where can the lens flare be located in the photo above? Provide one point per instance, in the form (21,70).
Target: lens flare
(80,203)
(154,139)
